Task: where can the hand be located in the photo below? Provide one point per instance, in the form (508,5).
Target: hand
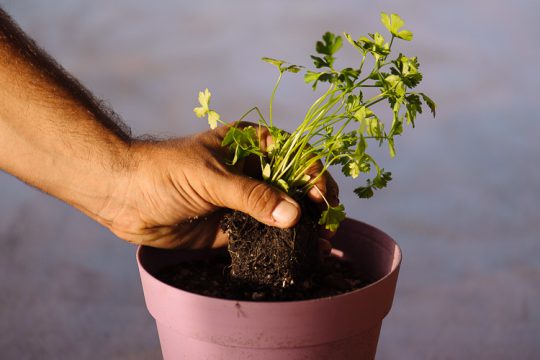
(176,191)
(165,194)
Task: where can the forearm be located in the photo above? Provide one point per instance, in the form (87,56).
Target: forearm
(53,134)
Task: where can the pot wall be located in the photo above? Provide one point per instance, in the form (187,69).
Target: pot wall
(344,327)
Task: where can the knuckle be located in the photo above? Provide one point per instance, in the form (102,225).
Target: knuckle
(333,187)
(317,167)
(259,197)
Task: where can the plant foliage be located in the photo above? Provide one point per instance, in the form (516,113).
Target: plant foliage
(338,126)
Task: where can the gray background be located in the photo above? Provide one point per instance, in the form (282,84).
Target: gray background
(463,204)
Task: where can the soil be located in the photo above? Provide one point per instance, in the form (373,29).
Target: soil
(266,263)
(266,256)
(211,277)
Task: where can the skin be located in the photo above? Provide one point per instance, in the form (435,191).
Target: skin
(57,137)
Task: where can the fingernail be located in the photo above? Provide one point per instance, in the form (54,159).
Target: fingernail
(285,212)
(315,194)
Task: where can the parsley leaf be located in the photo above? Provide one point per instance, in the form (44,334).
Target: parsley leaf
(393,23)
(329,45)
(204,109)
(280,64)
(332,217)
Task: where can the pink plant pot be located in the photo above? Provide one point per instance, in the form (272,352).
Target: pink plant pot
(342,327)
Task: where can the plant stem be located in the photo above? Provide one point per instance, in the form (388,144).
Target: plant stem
(272,97)
(255,108)
(288,147)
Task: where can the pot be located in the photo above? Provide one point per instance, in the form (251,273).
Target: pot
(346,326)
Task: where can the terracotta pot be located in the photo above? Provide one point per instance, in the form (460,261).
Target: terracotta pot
(342,327)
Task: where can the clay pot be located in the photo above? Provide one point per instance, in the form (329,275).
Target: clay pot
(342,327)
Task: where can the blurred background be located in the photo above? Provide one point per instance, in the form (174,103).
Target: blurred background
(463,202)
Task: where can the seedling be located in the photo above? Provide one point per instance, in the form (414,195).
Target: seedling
(340,124)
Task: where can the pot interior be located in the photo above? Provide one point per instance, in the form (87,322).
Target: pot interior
(370,251)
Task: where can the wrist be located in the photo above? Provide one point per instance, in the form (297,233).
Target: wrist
(111,185)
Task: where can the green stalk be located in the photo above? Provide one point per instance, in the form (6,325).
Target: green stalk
(297,148)
(272,98)
(288,147)
(255,108)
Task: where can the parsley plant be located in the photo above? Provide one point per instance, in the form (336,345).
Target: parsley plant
(325,133)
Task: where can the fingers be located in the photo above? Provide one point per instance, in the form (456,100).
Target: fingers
(325,186)
(325,247)
(257,199)
(260,200)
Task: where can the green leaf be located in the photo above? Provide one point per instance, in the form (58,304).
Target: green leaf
(353,102)
(354,43)
(200,111)
(242,136)
(330,44)
(239,153)
(381,180)
(414,106)
(405,35)
(361,146)
(376,45)
(242,142)
(351,169)
(374,127)
(407,69)
(302,181)
(430,103)
(385,19)
(348,76)
(293,68)
(412,80)
(229,136)
(320,62)
(280,64)
(213,118)
(315,77)
(394,23)
(204,109)
(397,22)
(397,126)
(277,63)
(311,76)
(364,192)
(391,148)
(266,173)
(279,136)
(236,156)
(282,184)
(332,217)
(393,80)
(349,139)
(360,114)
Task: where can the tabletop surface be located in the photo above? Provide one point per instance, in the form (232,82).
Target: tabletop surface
(462,204)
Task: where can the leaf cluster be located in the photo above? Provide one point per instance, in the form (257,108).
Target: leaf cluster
(339,126)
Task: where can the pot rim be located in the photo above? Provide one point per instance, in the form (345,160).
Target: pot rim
(395,267)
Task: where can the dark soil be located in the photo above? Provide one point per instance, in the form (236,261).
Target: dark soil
(266,256)
(211,277)
(266,263)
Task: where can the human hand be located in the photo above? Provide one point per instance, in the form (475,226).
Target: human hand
(159,193)
(176,191)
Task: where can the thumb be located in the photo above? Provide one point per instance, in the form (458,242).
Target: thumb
(257,199)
